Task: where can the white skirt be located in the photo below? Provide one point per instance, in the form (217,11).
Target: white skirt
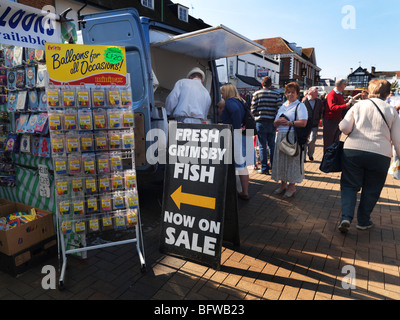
(286,168)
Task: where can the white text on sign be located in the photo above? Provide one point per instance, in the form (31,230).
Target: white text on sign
(191,241)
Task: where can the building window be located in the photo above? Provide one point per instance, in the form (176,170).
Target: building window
(148,4)
(183,13)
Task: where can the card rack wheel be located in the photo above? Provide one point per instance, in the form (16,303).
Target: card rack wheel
(61,286)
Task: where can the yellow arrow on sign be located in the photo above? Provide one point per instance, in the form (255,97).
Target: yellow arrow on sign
(180,197)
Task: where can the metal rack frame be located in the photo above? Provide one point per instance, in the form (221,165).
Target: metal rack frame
(138,240)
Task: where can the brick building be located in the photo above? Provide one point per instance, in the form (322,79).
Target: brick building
(297,64)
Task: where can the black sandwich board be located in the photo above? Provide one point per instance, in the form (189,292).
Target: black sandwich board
(199,209)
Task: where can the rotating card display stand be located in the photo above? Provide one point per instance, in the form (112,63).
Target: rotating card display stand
(92,142)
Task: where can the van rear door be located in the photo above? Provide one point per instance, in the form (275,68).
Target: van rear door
(123,28)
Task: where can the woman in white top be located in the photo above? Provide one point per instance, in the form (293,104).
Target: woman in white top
(372,126)
(289,170)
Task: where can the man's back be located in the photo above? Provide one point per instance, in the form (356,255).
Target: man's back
(335,105)
(189,98)
(265,104)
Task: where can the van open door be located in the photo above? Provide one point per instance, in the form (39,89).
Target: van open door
(172,56)
(123,28)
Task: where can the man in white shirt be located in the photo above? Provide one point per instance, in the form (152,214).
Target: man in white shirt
(189,101)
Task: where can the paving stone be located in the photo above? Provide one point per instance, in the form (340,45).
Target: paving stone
(290,250)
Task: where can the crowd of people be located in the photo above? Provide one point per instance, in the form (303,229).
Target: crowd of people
(372,127)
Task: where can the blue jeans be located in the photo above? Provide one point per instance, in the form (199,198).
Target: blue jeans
(266,136)
(366,171)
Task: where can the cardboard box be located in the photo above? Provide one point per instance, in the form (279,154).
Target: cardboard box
(28,258)
(26,235)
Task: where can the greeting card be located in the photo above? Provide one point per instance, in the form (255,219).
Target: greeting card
(26,144)
(44,147)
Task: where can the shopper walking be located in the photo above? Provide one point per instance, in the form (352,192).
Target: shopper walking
(233,112)
(264,106)
(315,107)
(373,127)
(335,105)
(286,169)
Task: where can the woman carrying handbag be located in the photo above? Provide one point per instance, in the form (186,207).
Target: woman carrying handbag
(232,111)
(288,169)
(374,126)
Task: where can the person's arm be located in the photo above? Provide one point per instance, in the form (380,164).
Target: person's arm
(347,124)
(254,103)
(281,121)
(302,115)
(299,123)
(321,109)
(234,116)
(395,135)
(172,100)
(333,104)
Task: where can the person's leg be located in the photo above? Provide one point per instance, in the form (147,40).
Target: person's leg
(311,143)
(350,183)
(244,181)
(331,132)
(326,134)
(262,145)
(376,168)
(282,188)
(271,141)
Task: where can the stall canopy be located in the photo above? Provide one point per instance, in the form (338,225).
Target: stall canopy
(210,43)
(249,80)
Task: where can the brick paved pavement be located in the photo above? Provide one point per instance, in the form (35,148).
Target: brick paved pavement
(290,249)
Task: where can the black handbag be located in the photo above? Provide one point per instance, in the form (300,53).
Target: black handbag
(248,121)
(331,161)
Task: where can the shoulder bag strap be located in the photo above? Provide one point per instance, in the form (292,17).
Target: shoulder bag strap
(295,112)
(309,107)
(384,119)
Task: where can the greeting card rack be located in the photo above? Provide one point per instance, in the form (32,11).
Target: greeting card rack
(92,145)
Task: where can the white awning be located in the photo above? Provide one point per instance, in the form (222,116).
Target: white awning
(210,43)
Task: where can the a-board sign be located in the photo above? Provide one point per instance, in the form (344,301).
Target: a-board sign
(199,162)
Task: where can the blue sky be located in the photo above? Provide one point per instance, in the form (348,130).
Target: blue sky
(344,33)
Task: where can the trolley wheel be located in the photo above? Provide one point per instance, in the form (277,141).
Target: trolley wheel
(61,286)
